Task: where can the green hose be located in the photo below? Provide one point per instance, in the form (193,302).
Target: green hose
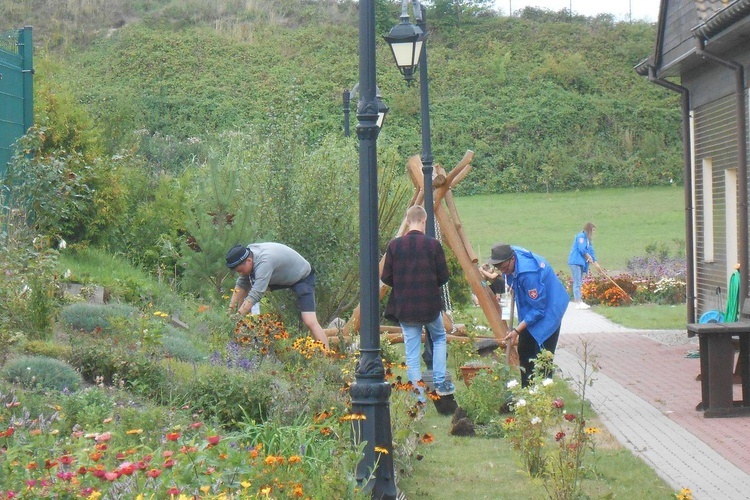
(733,298)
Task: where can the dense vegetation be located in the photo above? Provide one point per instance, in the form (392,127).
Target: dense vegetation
(546,101)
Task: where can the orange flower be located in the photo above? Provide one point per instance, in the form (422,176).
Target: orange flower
(295,459)
(427,438)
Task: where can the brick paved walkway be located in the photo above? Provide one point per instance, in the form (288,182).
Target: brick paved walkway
(645,392)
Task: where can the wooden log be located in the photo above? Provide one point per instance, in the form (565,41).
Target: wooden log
(414,169)
(450,203)
(488,304)
(460,170)
(459,332)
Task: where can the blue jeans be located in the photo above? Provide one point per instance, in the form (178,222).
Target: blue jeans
(412,342)
(577,272)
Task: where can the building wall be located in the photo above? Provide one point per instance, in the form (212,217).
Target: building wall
(715,152)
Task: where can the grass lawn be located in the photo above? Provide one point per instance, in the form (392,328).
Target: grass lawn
(647,316)
(627,220)
(483,468)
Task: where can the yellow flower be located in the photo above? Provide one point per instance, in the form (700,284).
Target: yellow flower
(205,489)
(592,430)
(246,484)
(354,416)
(380,449)
(134,431)
(96,494)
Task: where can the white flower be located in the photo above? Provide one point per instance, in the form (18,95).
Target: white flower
(63,244)
(546,382)
(67,274)
(535,420)
(513,383)
(533,390)
(521,402)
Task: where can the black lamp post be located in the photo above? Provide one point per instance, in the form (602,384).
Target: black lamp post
(369,392)
(407,42)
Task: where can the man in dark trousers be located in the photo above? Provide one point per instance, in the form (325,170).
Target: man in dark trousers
(415,268)
(541,301)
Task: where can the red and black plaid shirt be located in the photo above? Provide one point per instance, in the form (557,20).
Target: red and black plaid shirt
(416,269)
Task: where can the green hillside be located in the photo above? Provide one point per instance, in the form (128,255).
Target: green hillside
(547,103)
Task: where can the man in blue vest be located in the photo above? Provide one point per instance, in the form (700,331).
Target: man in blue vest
(541,301)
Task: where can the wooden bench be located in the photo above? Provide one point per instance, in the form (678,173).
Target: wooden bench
(717,365)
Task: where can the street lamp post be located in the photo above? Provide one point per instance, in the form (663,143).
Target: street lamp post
(409,50)
(369,392)
(426,135)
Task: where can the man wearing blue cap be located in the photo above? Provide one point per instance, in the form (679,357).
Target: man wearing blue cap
(273,266)
(541,300)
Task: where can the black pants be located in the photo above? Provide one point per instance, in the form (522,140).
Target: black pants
(528,349)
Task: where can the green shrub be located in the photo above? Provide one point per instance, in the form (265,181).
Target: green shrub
(39,372)
(99,361)
(90,317)
(97,358)
(46,348)
(87,409)
(229,395)
(148,417)
(178,346)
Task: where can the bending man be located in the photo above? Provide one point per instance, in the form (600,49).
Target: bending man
(273,266)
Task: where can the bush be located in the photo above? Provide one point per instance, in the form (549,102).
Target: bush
(90,317)
(101,362)
(87,409)
(178,347)
(231,396)
(39,372)
(46,348)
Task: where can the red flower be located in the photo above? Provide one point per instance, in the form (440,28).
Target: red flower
(153,473)
(67,459)
(213,440)
(126,468)
(559,436)
(111,476)
(173,491)
(570,417)
(558,403)
(169,463)
(173,436)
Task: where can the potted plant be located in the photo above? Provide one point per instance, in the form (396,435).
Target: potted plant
(471,368)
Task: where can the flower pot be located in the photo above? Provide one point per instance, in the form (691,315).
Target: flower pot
(471,371)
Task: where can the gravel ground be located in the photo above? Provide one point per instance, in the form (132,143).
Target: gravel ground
(671,337)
